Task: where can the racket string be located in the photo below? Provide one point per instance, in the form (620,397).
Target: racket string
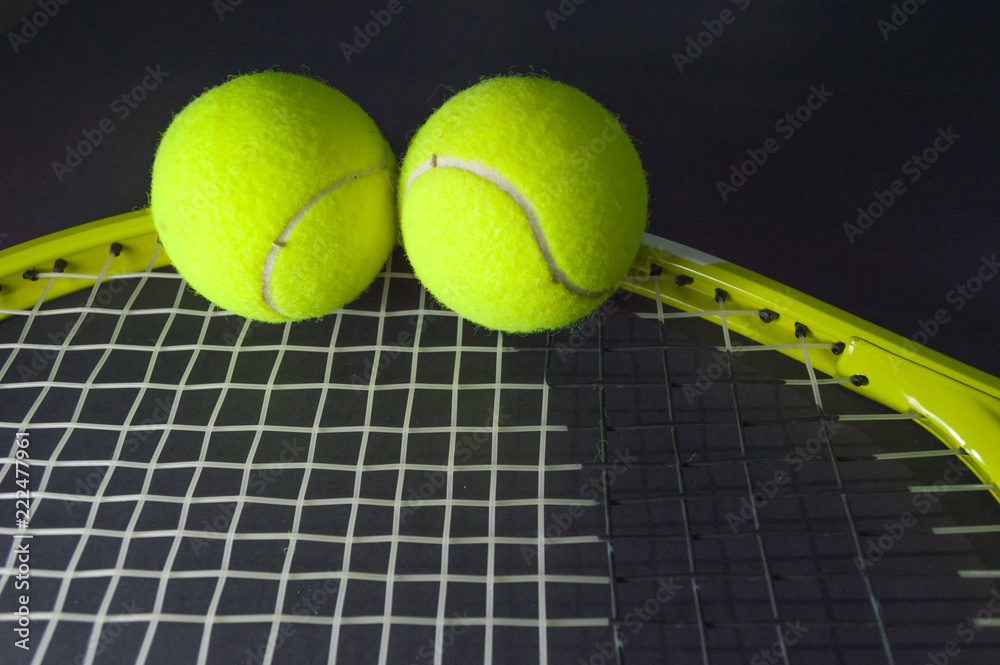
(62,348)
(762,547)
(623,579)
(678,465)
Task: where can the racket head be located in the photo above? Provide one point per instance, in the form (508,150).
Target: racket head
(389,479)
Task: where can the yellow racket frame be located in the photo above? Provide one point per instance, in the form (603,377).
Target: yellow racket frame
(959,404)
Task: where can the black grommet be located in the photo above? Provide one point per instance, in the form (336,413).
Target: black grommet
(60,266)
(655,270)
(116,248)
(838,348)
(721,296)
(859,380)
(800,330)
(683,280)
(768,315)
(31,274)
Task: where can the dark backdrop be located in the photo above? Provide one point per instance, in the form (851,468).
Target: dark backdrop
(893,78)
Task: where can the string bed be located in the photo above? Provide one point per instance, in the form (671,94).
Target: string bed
(393,485)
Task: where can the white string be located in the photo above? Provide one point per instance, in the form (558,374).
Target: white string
(812,377)
(525,578)
(383,655)
(491,528)
(326,466)
(237,513)
(293,536)
(440,623)
(382,429)
(64,585)
(161,589)
(345,568)
(357,620)
(109,594)
(543,647)
(118,573)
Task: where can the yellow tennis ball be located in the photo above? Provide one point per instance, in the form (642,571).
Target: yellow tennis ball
(274,196)
(522,204)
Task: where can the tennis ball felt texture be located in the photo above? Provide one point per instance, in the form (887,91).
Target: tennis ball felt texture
(274,196)
(522,204)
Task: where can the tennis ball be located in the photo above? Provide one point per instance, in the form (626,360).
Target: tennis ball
(522,204)
(274,197)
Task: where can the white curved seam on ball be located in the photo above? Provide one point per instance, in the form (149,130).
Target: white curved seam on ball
(508,188)
(286,233)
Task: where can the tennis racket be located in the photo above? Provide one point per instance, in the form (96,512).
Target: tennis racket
(713,468)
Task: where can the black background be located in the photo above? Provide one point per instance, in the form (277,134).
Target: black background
(892,90)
